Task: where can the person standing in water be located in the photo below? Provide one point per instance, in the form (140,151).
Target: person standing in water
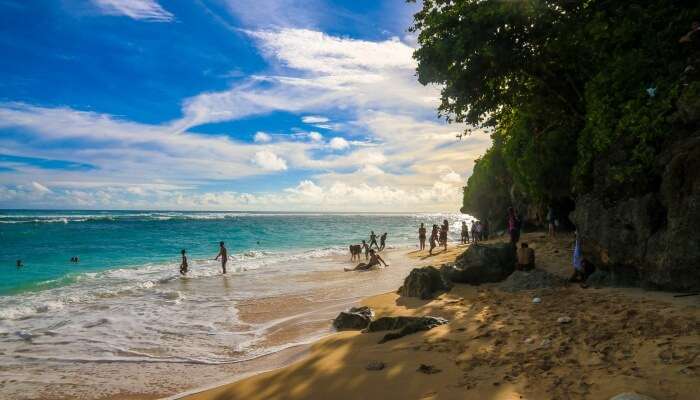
(421,236)
(224,256)
(19,264)
(366,249)
(382,241)
(183,265)
(373,240)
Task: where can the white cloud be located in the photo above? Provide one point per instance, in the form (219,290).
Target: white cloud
(38,187)
(269,161)
(315,136)
(262,137)
(452,177)
(148,10)
(338,143)
(314,119)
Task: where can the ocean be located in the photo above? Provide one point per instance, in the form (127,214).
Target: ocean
(125,304)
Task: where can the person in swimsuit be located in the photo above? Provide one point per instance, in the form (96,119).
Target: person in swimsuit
(374,260)
(421,236)
(366,249)
(224,256)
(183,265)
(382,242)
(373,240)
(443,234)
(433,239)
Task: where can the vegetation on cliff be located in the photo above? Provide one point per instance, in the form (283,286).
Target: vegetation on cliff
(579,96)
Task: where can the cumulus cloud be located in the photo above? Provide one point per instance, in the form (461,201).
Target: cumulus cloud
(338,143)
(262,137)
(315,136)
(148,10)
(269,161)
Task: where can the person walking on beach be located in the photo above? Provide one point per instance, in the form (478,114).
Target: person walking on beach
(513,224)
(551,222)
(183,265)
(224,256)
(373,240)
(443,233)
(465,233)
(421,236)
(365,247)
(374,260)
(382,241)
(433,239)
(475,237)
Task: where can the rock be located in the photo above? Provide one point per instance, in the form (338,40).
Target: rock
(482,263)
(403,325)
(564,320)
(536,300)
(630,396)
(423,283)
(649,240)
(356,318)
(530,280)
(428,369)
(375,366)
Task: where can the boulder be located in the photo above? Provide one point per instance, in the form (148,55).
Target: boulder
(357,318)
(403,326)
(423,283)
(483,263)
(649,240)
(531,280)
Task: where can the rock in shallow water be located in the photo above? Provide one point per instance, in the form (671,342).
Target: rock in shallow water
(356,318)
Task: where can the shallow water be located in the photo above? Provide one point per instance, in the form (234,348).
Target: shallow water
(66,329)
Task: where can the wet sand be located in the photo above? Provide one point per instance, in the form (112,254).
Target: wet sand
(502,346)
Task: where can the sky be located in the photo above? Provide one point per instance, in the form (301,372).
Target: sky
(294,105)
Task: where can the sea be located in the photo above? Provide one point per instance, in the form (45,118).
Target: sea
(66,328)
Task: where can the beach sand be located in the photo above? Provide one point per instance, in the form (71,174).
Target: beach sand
(501,346)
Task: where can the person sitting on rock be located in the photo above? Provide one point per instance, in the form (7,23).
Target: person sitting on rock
(374,260)
(526,258)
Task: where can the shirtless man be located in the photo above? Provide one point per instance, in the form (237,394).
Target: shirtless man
(183,265)
(373,240)
(374,260)
(382,242)
(224,256)
(421,236)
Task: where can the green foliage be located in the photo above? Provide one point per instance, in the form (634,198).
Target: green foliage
(565,86)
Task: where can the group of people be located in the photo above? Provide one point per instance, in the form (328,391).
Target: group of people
(373,258)
(438,236)
(479,231)
(222,255)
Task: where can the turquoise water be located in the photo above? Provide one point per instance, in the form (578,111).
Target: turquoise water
(46,240)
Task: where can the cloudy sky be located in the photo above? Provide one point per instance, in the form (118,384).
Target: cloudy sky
(302,105)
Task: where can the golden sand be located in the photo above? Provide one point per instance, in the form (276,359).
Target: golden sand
(501,346)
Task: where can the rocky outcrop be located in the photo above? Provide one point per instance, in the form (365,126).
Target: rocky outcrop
(531,280)
(357,318)
(650,240)
(423,283)
(403,326)
(482,263)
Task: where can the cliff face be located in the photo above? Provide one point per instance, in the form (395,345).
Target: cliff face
(652,240)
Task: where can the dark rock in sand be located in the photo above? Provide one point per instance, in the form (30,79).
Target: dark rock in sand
(531,280)
(649,240)
(356,318)
(403,325)
(428,369)
(423,283)
(375,366)
(482,263)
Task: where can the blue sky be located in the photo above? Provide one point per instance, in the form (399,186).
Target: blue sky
(221,105)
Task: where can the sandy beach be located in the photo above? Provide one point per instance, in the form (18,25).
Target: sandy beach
(500,345)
